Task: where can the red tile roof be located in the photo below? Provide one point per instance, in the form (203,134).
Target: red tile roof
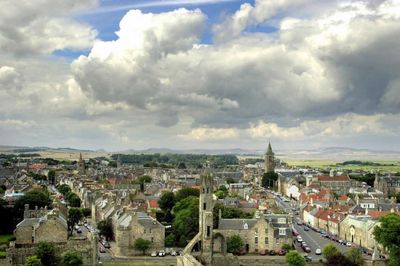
(153,204)
(377,214)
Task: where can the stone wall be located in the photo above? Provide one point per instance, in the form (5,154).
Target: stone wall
(187,260)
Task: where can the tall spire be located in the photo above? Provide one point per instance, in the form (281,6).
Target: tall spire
(269,151)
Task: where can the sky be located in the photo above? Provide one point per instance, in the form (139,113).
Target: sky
(209,74)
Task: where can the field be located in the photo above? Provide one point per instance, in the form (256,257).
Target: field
(386,166)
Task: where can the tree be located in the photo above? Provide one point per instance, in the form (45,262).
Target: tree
(186,222)
(46,252)
(87,212)
(71,258)
(186,192)
(167,201)
(220,194)
(398,197)
(144,179)
(293,258)
(170,240)
(355,256)
(33,198)
(142,244)
(287,247)
(387,234)
(234,244)
(73,199)
(181,165)
(268,179)
(105,228)
(74,216)
(330,251)
(339,259)
(33,261)
(64,189)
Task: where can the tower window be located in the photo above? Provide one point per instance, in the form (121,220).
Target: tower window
(208,190)
(204,206)
(208,230)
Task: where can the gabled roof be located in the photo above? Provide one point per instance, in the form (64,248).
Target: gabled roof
(236,224)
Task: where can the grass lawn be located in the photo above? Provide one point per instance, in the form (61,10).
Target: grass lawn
(4,239)
(390,166)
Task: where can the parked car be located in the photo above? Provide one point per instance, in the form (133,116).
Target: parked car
(306,228)
(173,253)
(308,258)
(348,244)
(241,252)
(102,250)
(106,244)
(306,249)
(272,253)
(153,254)
(161,253)
(318,251)
(282,252)
(262,252)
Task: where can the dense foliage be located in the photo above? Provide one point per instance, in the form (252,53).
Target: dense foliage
(142,245)
(229,213)
(186,160)
(234,244)
(367,178)
(71,258)
(105,228)
(387,234)
(47,254)
(293,258)
(268,179)
(33,261)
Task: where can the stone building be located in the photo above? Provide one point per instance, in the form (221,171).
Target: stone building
(339,184)
(264,232)
(359,230)
(51,227)
(389,185)
(129,226)
(269,160)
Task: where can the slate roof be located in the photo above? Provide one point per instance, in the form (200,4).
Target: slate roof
(29,222)
(236,224)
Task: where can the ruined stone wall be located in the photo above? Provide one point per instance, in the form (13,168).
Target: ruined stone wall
(187,260)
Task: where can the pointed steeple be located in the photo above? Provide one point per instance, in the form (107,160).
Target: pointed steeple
(269,151)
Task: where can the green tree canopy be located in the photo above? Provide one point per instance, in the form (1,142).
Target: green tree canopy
(329,251)
(387,234)
(186,192)
(142,245)
(167,201)
(268,179)
(293,258)
(71,258)
(355,256)
(46,252)
(73,200)
(105,228)
(64,189)
(74,216)
(234,244)
(33,198)
(87,212)
(287,247)
(33,261)
(186,223)
(144,179)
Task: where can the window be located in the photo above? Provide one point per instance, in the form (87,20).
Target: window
(282,231)
(281,220)
(152,240)
(256,240)
(204,206)
(208,230)
(266,230)
(266,240)
(256,231)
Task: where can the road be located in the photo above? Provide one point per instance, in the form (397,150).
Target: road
(313,239)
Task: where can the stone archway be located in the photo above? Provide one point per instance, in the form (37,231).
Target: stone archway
(221,237)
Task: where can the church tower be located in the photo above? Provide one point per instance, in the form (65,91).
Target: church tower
(206,205)
(81,165)
(269,159)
